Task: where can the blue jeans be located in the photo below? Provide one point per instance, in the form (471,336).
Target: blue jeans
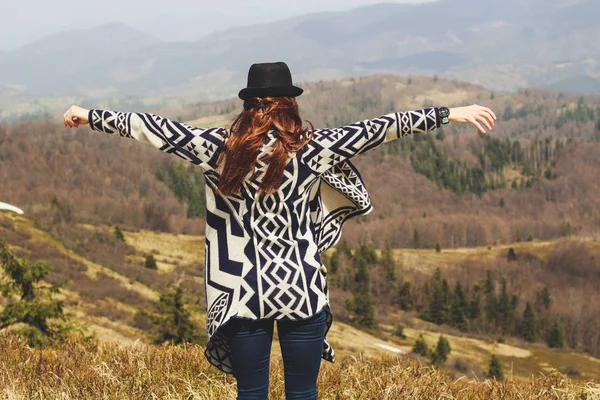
(301,348)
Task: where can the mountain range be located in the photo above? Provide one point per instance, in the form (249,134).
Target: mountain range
(503,45)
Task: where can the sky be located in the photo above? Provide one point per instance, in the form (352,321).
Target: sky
(24,21)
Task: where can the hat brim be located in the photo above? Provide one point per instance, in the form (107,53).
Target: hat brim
(277,91)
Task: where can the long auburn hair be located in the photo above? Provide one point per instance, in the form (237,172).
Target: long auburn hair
(248,132)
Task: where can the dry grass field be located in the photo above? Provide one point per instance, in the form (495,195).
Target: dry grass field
(79,370)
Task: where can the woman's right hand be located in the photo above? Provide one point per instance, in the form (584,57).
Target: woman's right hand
(475,115)
(76,116)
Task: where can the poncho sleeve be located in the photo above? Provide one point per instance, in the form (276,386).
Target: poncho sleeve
(330,147)
(199,146)
(341,193)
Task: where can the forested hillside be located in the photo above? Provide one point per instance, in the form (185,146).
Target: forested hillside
(534,174)
(536,292)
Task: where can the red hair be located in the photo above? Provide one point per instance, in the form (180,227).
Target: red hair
(248,132)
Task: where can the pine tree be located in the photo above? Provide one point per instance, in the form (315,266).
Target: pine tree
(416,239)
(150,262)
(188,186)
(420,347)
(514,303)
(334,262)
(175,323)
(426,291)
(368,252)
(119,234)
(447,296)
(529,183)
(343,248)
(528,324)
(31,303)
(543,300)
(442,351)
(475,303)
(556,335)
(459,308)
(439,306)
(362,305)
(399,331)
(406,298)
(388,262)
(495,370)
(346,281)
(441,135)
(504,311)
(491,303)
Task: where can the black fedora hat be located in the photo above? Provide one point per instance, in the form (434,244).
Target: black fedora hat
(270,80)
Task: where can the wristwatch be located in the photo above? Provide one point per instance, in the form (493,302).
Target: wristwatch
(444,115)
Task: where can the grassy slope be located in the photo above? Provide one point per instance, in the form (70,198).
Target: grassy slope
(520,360)
(428,260)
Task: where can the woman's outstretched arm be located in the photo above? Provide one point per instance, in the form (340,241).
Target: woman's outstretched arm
(198,146)
(332,146)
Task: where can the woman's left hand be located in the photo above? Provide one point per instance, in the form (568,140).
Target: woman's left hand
(476,115)
(76,116)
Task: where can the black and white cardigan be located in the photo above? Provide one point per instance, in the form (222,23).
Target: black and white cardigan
(263,251)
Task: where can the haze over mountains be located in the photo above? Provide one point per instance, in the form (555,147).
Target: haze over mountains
(49,65)
(503,45)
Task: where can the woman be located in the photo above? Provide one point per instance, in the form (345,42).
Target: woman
(278,195)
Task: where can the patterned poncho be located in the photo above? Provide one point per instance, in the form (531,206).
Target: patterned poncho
(263,250)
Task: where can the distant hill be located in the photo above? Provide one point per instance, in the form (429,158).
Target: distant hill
(49,65)
(504,45)
(577,84)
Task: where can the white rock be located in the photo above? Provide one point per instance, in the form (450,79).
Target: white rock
(8,207)
(390,348)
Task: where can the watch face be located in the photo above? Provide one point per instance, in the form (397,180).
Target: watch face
(444,112)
